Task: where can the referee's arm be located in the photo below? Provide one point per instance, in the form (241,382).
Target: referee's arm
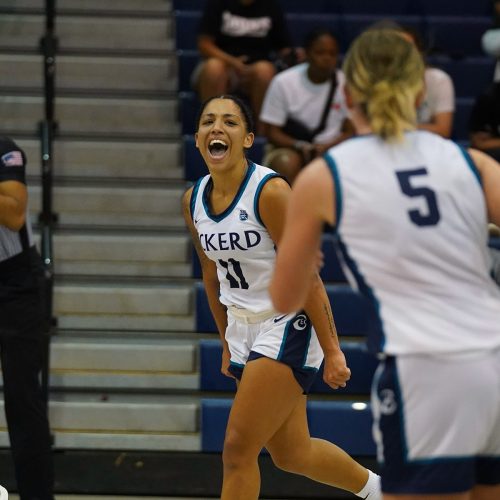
(13,202)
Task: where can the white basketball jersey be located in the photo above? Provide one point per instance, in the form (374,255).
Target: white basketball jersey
(237,241)
(412,224)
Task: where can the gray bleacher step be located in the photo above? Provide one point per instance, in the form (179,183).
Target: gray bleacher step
(141,206)
(150,7)
(115,421)
(123,363)
(128,254)
(92,73)
(108,159)
(145,307)
(93,116)
(123,441)
(154,34)
(125,355)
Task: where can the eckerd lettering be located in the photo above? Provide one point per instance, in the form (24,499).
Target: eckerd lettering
(230,241)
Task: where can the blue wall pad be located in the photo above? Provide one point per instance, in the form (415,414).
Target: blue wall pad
(350,310)
(463,108)
(387,7)
(336,421)
(361,363)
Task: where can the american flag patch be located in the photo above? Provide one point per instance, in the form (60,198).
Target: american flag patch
(12,159)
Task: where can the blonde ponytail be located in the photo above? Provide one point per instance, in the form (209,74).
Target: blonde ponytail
(385,74)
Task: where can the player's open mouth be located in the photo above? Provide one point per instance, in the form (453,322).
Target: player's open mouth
(217,148)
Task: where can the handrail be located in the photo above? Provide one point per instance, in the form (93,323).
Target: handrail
(47,218)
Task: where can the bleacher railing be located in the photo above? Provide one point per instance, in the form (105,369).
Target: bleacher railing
(47,218)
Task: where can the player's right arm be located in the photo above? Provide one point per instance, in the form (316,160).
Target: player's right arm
(489,170)
(211,282)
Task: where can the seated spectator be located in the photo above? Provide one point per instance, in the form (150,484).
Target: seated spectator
(304,111)
(435,112)
(484,125)
(491,39)
(238,40)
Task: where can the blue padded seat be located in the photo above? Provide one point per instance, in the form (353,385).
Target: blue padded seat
(336,421)
(361,363)
(461,119)
(194,166)
(331,271)
(457,36)
(470,75)
(186,27)
(495,243)
(352,25)
(186,62)
(288,5)
(463,8)
(350,309)
(189,105)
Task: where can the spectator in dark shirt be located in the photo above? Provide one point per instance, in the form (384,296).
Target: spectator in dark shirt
(238,40)
(484,124)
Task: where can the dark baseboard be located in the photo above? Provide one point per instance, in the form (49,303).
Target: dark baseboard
(165,474)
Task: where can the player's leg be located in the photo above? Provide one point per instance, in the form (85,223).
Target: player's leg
(292,449)
(267,394)
(483,492)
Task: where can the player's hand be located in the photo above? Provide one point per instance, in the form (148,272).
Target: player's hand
(226,358)
(336,373)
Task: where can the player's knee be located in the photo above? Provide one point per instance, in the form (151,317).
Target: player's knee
(237,450)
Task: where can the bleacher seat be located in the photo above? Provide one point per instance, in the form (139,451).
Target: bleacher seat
(194,166)
(351,311)
(189,105)
(465,8)
(346,424)
(359,360)
(457,36)
(288,5)
(186,62)
(495,243)
(461,119)
(387,7)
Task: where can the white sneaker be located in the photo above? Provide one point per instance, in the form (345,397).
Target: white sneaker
(4,494)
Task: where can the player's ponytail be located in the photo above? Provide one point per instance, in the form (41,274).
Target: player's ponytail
(385,74)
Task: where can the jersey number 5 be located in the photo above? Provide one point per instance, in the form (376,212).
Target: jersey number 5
(239,281)
(431,218)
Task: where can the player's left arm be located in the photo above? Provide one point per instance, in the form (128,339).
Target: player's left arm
(13,202)
(272,207)
(489,170)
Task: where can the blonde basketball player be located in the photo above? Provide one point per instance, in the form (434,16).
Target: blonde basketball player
(411,210)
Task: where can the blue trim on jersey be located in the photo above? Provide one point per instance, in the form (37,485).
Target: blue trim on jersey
(257,195)
(338,189)
(239,365)
(376,335)
(471,164)
(194,195)
(239,194)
